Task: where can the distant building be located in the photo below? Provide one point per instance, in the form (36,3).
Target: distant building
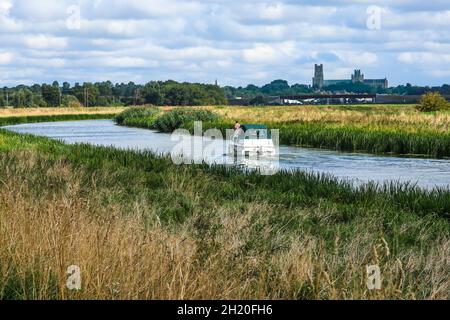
(358,77)
(318,80)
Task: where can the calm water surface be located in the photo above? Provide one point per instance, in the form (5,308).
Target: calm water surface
(359,168)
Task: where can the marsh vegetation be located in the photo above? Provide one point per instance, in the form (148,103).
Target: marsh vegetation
(140,227)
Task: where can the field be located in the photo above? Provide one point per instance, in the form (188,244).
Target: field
(140,227)
(30,112)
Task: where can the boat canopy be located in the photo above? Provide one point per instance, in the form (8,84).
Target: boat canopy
(247,127)
(257,128)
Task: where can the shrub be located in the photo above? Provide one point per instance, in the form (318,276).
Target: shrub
(432,101)
(70,101)
(141,113)
(178,118)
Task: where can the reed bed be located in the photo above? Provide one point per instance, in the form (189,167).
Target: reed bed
(140,227)
(378,140)
(140,117)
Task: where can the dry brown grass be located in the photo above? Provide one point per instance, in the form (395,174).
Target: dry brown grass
(366,115)
(21,112)
(398,117)
(51,219)
(377,115)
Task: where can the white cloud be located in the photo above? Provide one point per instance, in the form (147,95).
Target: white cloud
(358,58)
(5,7)
(424,58)
(272,12)
(127,62)
(42,41)
(6,57)
(261,53)
(234,41)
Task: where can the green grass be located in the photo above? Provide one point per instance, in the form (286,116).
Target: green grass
(287,188)
(366,139)
(196,202)
(141,117)
(152,118)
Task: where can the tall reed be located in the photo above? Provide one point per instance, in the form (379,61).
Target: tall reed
(140,227)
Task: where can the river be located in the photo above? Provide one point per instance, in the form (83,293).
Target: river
(358,168)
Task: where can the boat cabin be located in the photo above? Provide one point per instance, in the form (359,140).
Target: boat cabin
(258,131)
(252,139)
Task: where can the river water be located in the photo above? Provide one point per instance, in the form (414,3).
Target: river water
(358,168)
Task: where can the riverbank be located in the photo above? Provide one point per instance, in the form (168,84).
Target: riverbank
(376,129)
(54,118)
(140,227)
(32,112)
(9,116)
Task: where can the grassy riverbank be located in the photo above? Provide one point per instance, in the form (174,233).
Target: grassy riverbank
(141,228)
(375,129)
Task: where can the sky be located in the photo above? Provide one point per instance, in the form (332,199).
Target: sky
(235,42)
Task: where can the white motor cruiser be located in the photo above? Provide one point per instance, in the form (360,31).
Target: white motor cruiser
(252,140)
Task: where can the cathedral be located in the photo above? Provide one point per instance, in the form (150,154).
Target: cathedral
(358,77)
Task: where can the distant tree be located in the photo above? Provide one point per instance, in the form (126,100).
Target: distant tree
(36,88)
(51,95)
(445,89)
(104,101)
(105,88)
(229,92)
(177,95)
(252,88)
(276,87)
(70,101)
(38,101)
(87,93)
(433,101)
(300,88)
(216,95)
(65,88)
(22,98)
(258,100)
(153,94)
(130,88)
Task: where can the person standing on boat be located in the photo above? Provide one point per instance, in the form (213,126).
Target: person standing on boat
(237,126)
(237,131)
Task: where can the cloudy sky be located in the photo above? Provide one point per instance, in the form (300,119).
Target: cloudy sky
(238,42)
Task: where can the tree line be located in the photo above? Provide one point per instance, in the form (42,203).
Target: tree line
(108,94)
(282,87)
(174,93)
